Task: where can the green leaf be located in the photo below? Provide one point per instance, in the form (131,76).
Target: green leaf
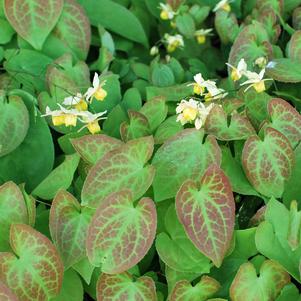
(207,211)
(217,125)
(35,20)
(108,232)
(297,18)
(268,163)
(284,70)
(68,224)
(121,286)
(184,291)
(60,178)
(227,26)
(285,119)
(6,294)
(185,24)
(72,288)
(13,211)
(137,127)
(122,168)
(94,147)
(23,271)
(73,29)
(14,124)
(267,286)
(162,75)
(155,111)
(289,293)
(6,31)
(122,21)
(177,251)
(85,269)
(132,99)
(293,47)
(168,160)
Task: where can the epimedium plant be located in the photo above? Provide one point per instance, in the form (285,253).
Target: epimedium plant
(150,150)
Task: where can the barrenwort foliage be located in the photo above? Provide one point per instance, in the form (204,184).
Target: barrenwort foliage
(150,150)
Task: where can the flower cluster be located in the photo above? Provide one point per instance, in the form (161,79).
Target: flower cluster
(254,79)
(75,108)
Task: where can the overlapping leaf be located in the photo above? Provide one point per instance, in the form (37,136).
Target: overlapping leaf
(123,287)
(184,156)
(123,168)
(217,125)
(14,123)
(34,271)
(120,233)
(248,286)
(68,223)
(207,211)
(93,147)
(13,210)
(293,48)
(33,19)
(184,291)
(286,119)
(268,163)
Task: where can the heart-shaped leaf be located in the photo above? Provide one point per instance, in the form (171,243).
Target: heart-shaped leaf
(285,119)
(248,286)
(73,28)
(33,20)
(268,163)
(34,271)
(68,224)
(187,146)
(93,147)
(121,168)
(120,233)
(60,178)
(6,294)
(176,250)
(184,291)
(124,287)
(293,47)
(13,211)
(207,211)
(217,125)
(14,123)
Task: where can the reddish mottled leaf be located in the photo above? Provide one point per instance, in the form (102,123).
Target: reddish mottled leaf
(68,224)
(33,20)
(73,28)
(293,47)
(120,233)
(268,163)
(34,270)
(13,210)
(267,286)
(184,291)
(123,287)
(6,294)
(123,168)
(207,211)
(217,125)
(187,147)
(285,119)
(137,127)
(297,18)
(93,147)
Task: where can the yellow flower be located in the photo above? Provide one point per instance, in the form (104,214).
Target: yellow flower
(167,13)
(91,121)
(97,90)
(261,62)
(239,71)
(256,81)
(58,120)
(173,42)
(93,127)
(78,102)
(201,35)
(223,5)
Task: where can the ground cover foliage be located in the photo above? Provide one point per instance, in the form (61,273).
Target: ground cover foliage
(150,150)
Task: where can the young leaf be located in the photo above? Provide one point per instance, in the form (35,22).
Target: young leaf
(60,178)
(68,223)
(285,119)
(248,286)
(123,287)
(34,270)
(13,210)
(268,163)
(120,233)
(123,168)
(184,291)
(6,294)
(94,147)
(187,146)
(207,211)
(14,124)
(216,124)
(35,20)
